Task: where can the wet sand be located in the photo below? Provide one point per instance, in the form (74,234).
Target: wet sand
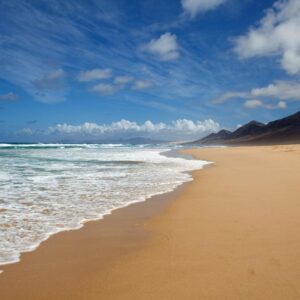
(232,233)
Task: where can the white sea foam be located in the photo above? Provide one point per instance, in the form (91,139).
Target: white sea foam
(45,189)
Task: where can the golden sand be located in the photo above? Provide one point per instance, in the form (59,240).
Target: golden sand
(233,233)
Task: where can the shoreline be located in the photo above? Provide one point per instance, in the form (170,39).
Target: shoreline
(231,233)
(158,197)
(161,195)
(160,200)
(140,210)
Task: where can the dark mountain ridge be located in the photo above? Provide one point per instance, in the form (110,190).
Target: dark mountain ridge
(222,134)
(282,131)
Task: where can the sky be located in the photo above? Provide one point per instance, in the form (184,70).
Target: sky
(95,70)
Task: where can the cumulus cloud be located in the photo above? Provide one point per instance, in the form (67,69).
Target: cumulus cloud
(142,84)
(276,34)
(11,96)
(183,129)
(50,81)
(279,90)
(95,74)
(255,103)
(194,7)
(281,104)
(191,127)
(165,48)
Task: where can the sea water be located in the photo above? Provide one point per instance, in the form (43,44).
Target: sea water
(48,188)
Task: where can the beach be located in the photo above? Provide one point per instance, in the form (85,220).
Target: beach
(232,233)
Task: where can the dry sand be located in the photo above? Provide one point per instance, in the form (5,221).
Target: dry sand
(233,233)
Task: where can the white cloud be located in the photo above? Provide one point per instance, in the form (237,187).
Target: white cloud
(190,127)
(95,74)
(255,103)
(230,95)
(104,88)
(279,90)
(142,85)
(194,7)
(121,80)
(120,83)
(183,129)
(165,48)
(277,34)
(283,90)
(11,96)
(281,104)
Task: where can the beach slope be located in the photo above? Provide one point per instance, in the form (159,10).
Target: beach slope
(232,233)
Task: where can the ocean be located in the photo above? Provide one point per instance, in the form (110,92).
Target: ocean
(48,188)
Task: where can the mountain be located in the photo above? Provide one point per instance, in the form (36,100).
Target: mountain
(282,131)
(250,129)
(216,137)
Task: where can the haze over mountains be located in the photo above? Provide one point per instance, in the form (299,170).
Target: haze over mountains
(282,131)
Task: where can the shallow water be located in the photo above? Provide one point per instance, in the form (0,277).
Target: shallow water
(45,189)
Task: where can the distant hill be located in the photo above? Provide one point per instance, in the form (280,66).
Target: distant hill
(283,131)
(216,137)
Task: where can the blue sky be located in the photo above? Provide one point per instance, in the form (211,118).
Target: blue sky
(171,69)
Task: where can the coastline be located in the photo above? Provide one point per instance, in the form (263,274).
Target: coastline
(117,233)
(229,234)
(135,198)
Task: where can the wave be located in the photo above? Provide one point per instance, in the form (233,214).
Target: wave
(57,146)
(45,192)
